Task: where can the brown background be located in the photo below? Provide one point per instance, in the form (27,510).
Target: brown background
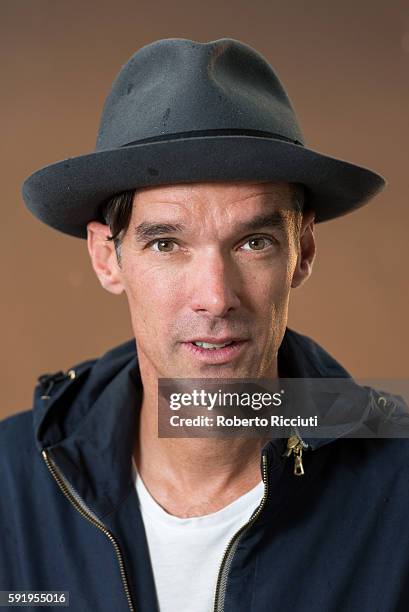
(345,65)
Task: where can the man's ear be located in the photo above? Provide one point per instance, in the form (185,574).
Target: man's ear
(103,257)
(306,251)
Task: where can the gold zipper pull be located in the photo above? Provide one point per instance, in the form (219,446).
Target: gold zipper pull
(295,447)
(298,466)
(292,442)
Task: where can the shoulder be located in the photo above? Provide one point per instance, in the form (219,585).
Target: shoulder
(16,439)
(15,428)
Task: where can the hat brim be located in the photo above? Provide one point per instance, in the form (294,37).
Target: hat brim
(67,195)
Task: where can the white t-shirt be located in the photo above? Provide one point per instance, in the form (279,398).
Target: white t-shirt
(186,553)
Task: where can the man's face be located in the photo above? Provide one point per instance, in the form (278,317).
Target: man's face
(213,263)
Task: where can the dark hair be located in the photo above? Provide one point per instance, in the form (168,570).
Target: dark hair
(117,211)
(299,197)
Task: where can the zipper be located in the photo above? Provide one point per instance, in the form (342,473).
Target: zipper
(85,511)
(232,545)
(295,447)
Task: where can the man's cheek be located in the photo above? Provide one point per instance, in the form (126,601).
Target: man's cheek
(274,290)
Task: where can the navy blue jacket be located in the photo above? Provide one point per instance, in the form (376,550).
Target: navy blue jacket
(334,540)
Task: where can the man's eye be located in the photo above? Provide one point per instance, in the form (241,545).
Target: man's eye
(163,245)
(257,243)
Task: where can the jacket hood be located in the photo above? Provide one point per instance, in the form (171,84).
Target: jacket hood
(87,417)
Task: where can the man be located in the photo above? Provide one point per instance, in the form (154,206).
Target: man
(199,203)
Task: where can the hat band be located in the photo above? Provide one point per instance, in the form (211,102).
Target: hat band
(225,132)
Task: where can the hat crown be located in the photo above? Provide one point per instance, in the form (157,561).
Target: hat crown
(175,85)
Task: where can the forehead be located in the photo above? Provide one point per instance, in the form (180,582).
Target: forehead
(215,200)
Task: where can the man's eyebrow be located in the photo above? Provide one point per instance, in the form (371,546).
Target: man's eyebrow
(146,230)
(271,219)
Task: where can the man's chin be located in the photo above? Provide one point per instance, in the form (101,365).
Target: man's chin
(226,370)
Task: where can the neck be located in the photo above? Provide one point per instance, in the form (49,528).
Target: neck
(193,476)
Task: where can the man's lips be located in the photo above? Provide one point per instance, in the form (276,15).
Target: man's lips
(214,340)
(216,355)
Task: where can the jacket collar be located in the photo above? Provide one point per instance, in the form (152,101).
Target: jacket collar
(89,426)
(89,421)
(301,357)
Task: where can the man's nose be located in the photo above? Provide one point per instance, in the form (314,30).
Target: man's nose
(214,285)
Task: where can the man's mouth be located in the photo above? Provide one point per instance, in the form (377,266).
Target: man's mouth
(211,346)
(210,351)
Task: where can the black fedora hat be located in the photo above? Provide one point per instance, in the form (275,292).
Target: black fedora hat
(182,111)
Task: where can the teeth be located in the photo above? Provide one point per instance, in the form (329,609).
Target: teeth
(206,345)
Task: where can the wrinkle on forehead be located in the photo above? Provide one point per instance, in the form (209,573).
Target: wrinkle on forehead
(210,206)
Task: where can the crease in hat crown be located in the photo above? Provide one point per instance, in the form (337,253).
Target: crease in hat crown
(176,86)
